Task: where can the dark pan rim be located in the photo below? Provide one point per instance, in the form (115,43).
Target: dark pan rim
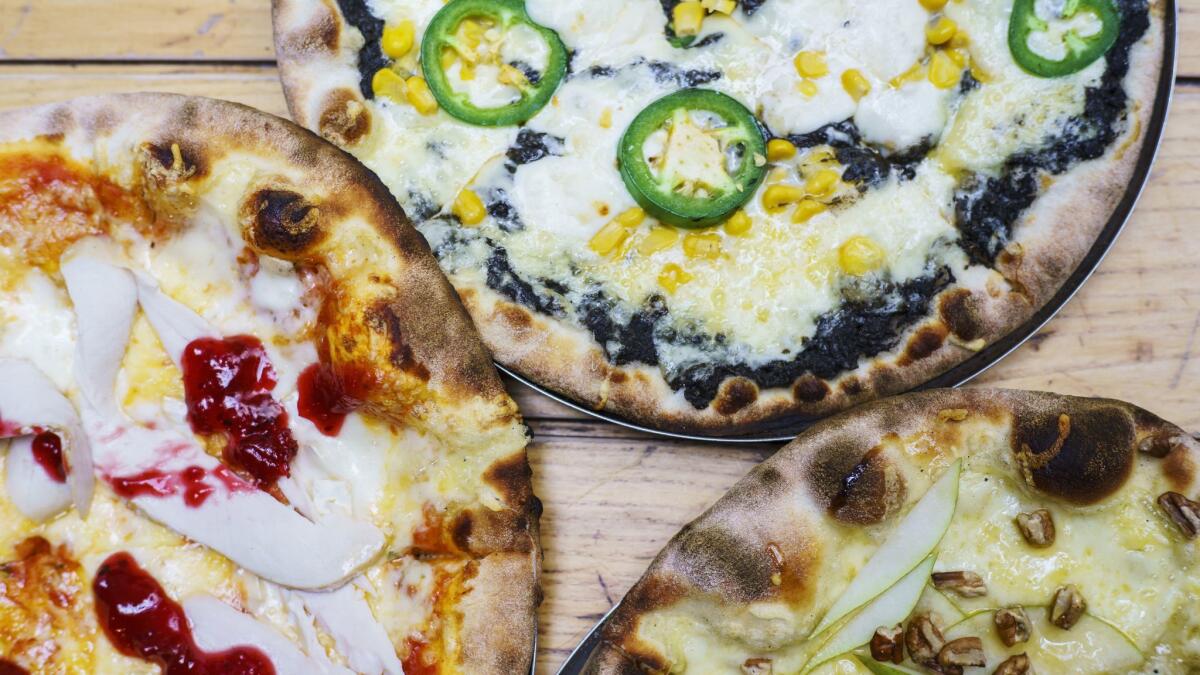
(785,429)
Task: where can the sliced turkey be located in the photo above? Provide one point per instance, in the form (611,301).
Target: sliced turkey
(31,404)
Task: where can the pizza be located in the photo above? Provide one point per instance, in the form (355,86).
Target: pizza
(951,531)
(248,427)
(707,215)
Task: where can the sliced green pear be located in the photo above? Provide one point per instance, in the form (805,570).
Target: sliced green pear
(887,609)
(1090,646)
(880,668)
(911,542)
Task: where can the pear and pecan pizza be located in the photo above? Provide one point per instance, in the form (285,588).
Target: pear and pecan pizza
(708,214)
(968,531)
(245,425)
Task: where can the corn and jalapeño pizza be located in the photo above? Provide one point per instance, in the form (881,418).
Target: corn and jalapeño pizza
(704,214)
(248,429)
(968,531)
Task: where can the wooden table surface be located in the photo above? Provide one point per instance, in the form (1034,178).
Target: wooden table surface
(614,497)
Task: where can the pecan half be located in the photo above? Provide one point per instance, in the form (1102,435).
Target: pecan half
(1014,665)
(1068,605)
(923,639)
(1037,528)
(1159,445)
(965,652)
(1182,511)
(887,644)
(966,584)
(1012,625)
(758,666)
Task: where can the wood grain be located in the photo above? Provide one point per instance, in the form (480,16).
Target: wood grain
(613,497)
(232,30)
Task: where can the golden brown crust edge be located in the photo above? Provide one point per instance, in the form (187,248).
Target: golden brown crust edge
(399,313)
(1055,236)
(723,555)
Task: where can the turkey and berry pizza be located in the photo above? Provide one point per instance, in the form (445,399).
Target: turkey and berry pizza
(968,531)
(708,214)
(248,427)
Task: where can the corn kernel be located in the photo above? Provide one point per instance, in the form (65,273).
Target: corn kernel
(631,217)
(821,155)
(672,277)
(778,174)
(606,119)
(738,224)
(447,58)
(658,239)
(687,17)
(860,255)
(944,73)
(512,75)
(806,209)
(822,183)
(388,84)
(855,83)
(608,238)
(808,88)
(398,40)
(913,74)
(811,64)
(779,149)
(941,31)
(960,40)
(776,197)
(469,207)
(702,246)
(471,33)
(722,6)
(933,5)
(419,96)
(960,57)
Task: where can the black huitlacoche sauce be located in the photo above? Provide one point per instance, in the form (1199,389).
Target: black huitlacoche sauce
(987,207)
(861,326)
(370,57)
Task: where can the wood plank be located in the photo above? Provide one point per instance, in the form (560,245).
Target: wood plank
(200,30)
(614,497)
(194,30)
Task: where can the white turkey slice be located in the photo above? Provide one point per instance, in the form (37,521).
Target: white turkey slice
(35,494)
(236,519)
(30,404)
(176,324)
(346,616)
(105,301)
(218,627)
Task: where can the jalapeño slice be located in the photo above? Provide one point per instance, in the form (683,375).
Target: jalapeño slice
(1030,36)
(472,32)
(693,157)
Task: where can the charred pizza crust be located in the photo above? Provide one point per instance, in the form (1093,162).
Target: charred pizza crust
(318,52)
(779,533)
(386,310)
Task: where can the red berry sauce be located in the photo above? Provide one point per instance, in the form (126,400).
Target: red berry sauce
(142,622)
(228,383)
(326,399)
(47,451)
(157,483)
(9,668)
